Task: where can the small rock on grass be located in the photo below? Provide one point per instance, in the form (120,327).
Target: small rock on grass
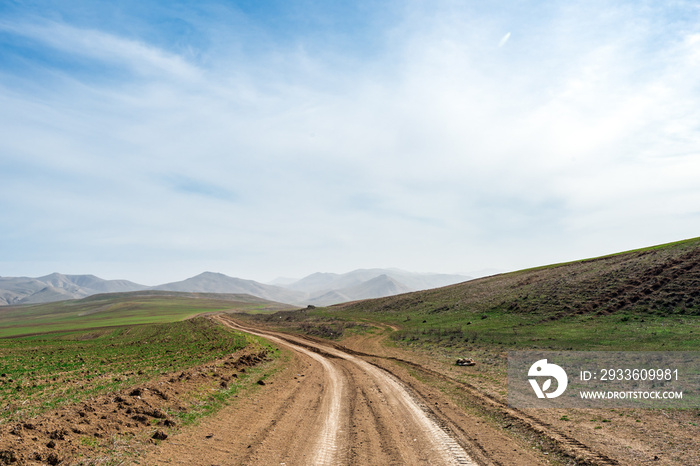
(159,435)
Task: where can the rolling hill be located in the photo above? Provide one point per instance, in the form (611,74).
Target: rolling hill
(124,308)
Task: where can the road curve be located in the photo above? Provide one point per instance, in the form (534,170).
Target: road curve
(366,415)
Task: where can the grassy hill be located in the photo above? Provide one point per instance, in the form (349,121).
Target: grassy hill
(642,299)
(119,309)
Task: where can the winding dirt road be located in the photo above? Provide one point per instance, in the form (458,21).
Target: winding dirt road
(400,430)
(326,407)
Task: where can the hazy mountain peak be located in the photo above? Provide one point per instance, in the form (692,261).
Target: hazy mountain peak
(318,284)
(208,274)
(283,281)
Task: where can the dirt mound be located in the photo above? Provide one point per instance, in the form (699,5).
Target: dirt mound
(108,423)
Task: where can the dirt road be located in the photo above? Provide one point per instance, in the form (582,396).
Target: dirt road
(328,407)
(416,438)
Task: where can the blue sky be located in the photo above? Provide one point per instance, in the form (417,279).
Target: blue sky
(154,140)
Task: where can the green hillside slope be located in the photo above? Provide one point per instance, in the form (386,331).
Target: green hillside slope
(642,299)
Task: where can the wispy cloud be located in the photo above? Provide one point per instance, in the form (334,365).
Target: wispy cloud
(504,39)
(96,45)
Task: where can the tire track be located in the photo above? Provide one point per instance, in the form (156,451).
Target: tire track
(280,413)
(362,410)
(449,449)
(326,446)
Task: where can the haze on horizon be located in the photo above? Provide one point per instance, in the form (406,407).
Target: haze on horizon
(152,141)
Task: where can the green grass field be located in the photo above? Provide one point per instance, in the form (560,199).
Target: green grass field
(43,371)
(66,352)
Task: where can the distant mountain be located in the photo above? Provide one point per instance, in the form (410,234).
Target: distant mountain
(283,281)
(209,282)
(318,288)
(376,287)
(14,289)
(425,281)
(319,281)
(332,288)
(90,283)
(58,287)
(382,285)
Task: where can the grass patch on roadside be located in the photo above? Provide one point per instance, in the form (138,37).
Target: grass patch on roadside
(210,403)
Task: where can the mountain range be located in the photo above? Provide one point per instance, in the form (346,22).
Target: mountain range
(319,289)
(59,287)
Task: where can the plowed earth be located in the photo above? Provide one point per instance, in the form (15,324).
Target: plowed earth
(108,429)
